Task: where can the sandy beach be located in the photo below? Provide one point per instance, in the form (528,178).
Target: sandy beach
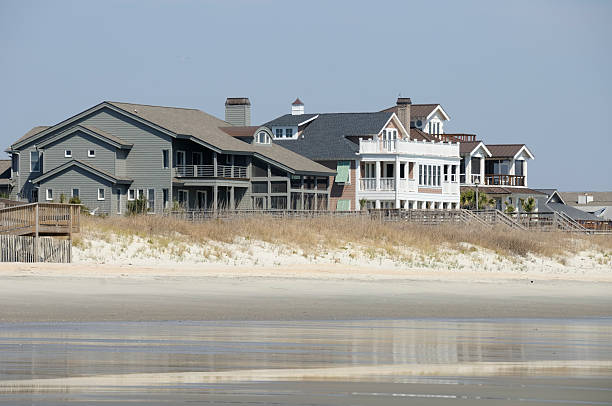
(87,292)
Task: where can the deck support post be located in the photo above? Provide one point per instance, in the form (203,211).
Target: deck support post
(36,219)
(215,195)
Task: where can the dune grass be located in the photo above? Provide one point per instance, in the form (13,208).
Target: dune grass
(313,234)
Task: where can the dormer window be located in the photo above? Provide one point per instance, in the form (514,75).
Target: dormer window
(262,137)
(279,133)
(289,132)
(419,123)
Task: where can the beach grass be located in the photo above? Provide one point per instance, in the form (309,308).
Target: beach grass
(311,235)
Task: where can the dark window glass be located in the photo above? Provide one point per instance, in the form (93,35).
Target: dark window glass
(260,168)
(309,182)
(278,202)
(165,158)
(277,172)
(518,168)
(289,132)
(322,183)
(279,133)
(279,187)
(260,187)
(296,182)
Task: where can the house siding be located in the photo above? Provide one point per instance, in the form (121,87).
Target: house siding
(338,191)
(79,143)
(86,182)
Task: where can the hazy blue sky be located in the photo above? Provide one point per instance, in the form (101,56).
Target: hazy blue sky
(510,71)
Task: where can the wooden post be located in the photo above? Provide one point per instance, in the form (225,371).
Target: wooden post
(70,233)
(35,250)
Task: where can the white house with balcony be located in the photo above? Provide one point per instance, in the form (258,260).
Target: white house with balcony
(376,160)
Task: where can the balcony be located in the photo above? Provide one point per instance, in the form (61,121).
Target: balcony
(408,147)
(387,185)
(504,180)
(457,137)
(208,171)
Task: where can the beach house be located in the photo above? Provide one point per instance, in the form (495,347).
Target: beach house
(379,161)
(114,153)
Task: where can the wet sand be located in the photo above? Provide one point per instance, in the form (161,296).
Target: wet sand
(30,293)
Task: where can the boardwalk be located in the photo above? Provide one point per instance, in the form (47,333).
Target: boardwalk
(36,219)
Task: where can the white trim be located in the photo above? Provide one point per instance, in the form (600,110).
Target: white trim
(524,148)
(169,163)
(78,192)
(479,145)
(130,192)
(397,121)
(67,153)
(103,193)
(89,153)
(49,196)
(438,107)
(307,121)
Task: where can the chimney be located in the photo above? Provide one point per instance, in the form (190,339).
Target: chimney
(238,111)
(297,107)
(403,111)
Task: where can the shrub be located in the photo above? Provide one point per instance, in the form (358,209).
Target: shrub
(138,206)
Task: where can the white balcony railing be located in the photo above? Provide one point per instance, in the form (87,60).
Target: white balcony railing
(387,184)
(367,184)
(208,171)
(375,146)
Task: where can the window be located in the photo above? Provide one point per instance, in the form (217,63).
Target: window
(420,174)
(183,197)
(180,158)
(279,133)
(343,205)
(15,159)
(278,202)
(419,123)
(49,194)
(34,161)
(262,138)
(75,192)
(68,153)
(289,132)
(131,194)
(165,198)
(260,187)
(343,172)
(101,194)
(518,168)
(151,201)
(140,194)
(278,187)
(91,153)
(118,193)
(196,158)
(165,159)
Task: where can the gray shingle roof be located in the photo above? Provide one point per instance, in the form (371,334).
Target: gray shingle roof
(5,166)
(290,120)
(32,132)
(572,212)
(325,137)
(599,198)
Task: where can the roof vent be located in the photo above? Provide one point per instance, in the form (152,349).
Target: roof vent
(297,107)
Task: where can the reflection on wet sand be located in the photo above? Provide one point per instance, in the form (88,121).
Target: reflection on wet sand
(182,357)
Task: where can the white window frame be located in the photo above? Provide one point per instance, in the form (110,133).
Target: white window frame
(287,135)
(67,153)
(118,200)
(131,194)
(183,154)
(38,161)
(150,209)
(49,194)
(91,153)
(266,138)
(166,158)
(103,193)
(78,192)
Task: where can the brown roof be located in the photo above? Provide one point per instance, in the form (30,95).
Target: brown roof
(32,132)
(416,110)
(239,131)
(419,135)
(504,150)
(297,102)
(5,165)
(465,147)
(215,132)
(504,190)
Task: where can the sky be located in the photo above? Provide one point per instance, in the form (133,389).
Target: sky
(534,72)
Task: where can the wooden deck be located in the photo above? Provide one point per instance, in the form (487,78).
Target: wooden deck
(37,219)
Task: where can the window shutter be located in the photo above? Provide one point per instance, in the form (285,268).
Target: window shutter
(342,170)
(343,205)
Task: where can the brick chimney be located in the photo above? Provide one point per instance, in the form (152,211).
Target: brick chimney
(297,107)
(403,111)
(238,111)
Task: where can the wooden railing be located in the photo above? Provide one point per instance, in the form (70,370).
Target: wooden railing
(504,180)
(208,171)
(40,218)
(457,137)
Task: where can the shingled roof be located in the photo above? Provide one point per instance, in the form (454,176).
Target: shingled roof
(290,120)
(32,132)
(504,150)
(416,110)
(325,138)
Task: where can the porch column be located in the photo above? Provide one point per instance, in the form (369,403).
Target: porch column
(215,193)
(482,170)
(232,203)
(215,172)
(377,170)
(396,173)
(468,170)
(406,204)
(525,171)
(302,192)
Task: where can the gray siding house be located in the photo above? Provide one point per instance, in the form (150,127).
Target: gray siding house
(115,152)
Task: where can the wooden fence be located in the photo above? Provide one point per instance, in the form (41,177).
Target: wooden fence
(19,248)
